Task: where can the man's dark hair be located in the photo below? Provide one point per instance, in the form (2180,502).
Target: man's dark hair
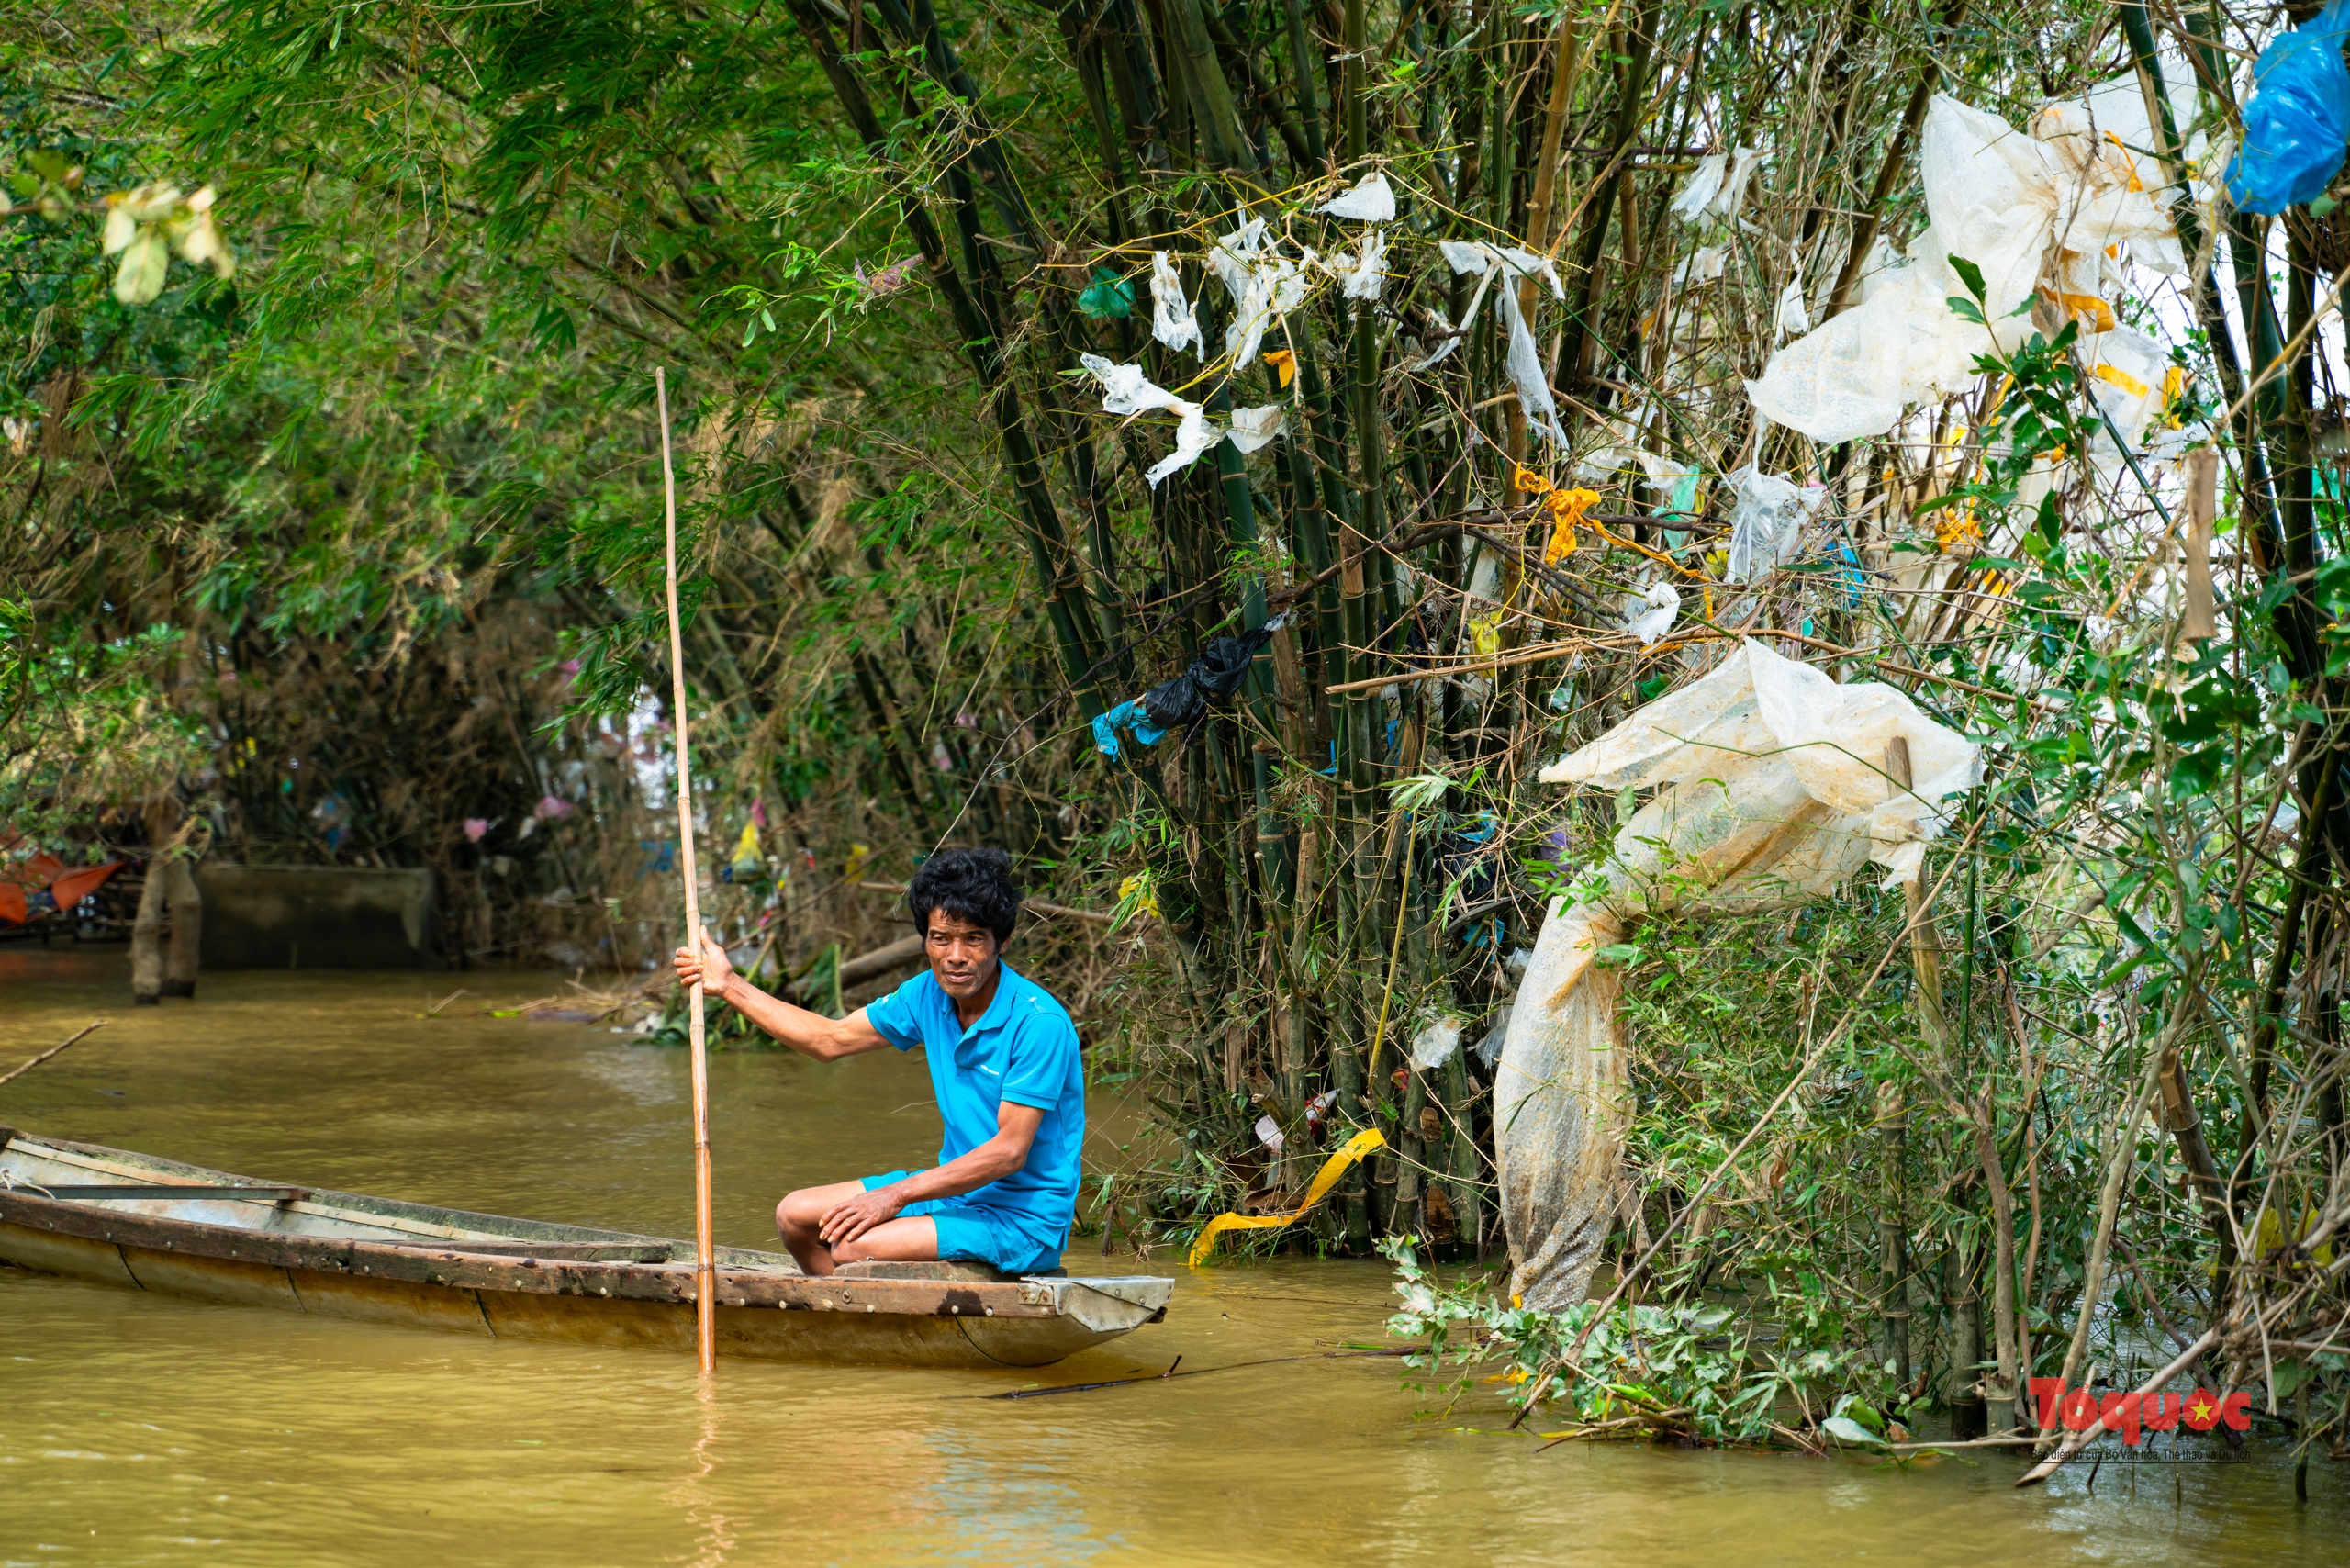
(969,884)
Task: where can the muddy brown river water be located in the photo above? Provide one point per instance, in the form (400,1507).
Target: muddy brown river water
(142,1429)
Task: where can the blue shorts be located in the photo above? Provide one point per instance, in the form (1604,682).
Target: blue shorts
(1013,1243)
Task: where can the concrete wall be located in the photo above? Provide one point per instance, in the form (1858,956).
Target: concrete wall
(317,917)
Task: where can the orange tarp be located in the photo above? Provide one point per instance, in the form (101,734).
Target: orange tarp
(74,886)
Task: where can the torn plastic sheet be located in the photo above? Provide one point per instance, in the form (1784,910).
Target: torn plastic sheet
(1360,275)
(1793,317)
(1525,367)
(1257,426)
(1700,267)
(1771,789)
(1268,1133)
(1264,285)
(1717,185)
(1173,319)
(1368,202)
(2019,207)
(1127,390)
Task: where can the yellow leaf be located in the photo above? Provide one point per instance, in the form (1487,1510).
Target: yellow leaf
(140,277)
(1148,904)
(1284,362)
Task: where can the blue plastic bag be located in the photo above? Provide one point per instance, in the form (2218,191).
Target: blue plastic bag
(2297,122)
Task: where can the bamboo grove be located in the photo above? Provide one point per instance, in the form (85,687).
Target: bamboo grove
(2073,1110)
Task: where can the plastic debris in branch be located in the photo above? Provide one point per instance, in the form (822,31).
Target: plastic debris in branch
(1512,265)
(1264,285)
(2297,120)
(1437,1044)
(1258,427)
(1336,1166)
(1717,185)
(1794,317)
(2057,203)
(1222,664)
(1174,321)
(1370,202)
(1766,526)
(1700,267)
(1649,614)
(1127,390)
(1771,788)
(1359,277)
(1268,1133)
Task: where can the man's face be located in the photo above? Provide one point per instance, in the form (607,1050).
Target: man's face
(962,955)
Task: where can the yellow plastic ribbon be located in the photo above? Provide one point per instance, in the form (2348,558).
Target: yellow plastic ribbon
(2135,183)
(2099,313)
(1357,1147)
(2113,376)
(1485,635)
(1567,507)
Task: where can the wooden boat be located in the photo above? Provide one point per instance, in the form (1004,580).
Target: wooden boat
(130,1219)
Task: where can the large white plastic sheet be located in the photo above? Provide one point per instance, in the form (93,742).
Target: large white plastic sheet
(1772,789)
(2033,212)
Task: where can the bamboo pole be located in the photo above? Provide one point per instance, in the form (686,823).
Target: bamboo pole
(705,1266)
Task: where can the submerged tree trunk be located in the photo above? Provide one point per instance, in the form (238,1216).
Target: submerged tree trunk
(185,905)
(147,940)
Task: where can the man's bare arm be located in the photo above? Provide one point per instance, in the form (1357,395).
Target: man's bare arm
(1015,1131)
(810,1034)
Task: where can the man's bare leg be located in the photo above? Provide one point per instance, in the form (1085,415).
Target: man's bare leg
(906,1240)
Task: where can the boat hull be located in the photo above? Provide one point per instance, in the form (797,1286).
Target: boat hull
(344,1255)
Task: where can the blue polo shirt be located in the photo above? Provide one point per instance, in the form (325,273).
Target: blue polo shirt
(1023,1049)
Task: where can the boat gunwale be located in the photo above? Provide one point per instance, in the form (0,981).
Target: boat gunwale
(745,1279)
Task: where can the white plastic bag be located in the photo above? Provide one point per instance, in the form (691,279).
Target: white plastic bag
(1173,321)
(1649,614)
(1511,264)
(2020,208)
(1793,317)
(1253,428)
(1360,275)
(1127,390)
(1717,185)
(1772,789)
(1370,202)
(1263,286)
(1700,267)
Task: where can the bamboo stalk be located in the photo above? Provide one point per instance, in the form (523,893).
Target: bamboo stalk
(705,1264)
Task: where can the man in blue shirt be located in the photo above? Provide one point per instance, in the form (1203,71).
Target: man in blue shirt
(1003,1060)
